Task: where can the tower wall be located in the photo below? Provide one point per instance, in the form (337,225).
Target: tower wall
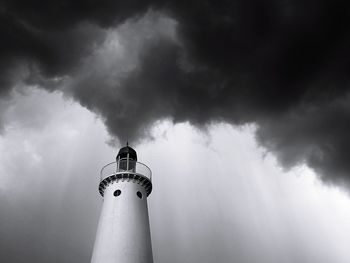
(123,234)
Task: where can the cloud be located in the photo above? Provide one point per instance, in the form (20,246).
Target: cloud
(281,65)
(41,168)
(242,206)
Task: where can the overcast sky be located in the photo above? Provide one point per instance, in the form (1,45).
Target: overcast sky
(240,108)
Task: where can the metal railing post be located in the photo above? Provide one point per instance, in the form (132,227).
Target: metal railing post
(127,162)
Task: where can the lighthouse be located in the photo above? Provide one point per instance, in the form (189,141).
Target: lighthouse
(123,233)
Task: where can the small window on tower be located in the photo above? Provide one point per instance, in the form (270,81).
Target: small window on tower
(139,194)
(117,192)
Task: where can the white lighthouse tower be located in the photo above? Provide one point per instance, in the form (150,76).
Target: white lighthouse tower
(123,234)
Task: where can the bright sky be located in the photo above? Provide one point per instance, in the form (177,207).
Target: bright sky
(217,196)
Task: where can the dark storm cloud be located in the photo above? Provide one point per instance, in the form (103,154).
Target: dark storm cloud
(282,65)
(54,36)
